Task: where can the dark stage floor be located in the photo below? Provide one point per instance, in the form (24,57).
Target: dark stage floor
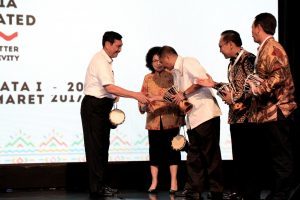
(61,194)
(65,195)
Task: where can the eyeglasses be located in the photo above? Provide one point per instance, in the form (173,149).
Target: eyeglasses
(155,61)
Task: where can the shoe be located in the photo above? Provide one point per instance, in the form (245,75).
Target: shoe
(101,193)
(187,193)
(152,196)
(172,192)
(152,191)
(232,196)
(113,190)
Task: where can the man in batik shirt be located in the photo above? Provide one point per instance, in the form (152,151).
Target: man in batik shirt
(241,65)
(273,103)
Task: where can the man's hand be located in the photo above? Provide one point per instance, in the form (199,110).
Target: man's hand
(208,82)
(140,97)
(117,99)
(238,106)
(254,81)
(177,98)
(253,87)
(227,96)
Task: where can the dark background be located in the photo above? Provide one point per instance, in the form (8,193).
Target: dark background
(136,175)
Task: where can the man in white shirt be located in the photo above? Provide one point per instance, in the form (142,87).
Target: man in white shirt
(203,123)
(100,93)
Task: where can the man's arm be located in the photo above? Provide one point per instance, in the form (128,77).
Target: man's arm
(193,88)
(119,91)
(183,95)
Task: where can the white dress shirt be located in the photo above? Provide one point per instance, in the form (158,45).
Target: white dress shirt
(99,74)
(205,106)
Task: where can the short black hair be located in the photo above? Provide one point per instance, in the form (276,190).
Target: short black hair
(232,36)
(267,21)
(166,50)
(110,36)
(149,56)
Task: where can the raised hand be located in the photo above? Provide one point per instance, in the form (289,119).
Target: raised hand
(206,82)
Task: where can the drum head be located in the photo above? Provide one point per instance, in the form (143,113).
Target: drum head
(116,117)
(178,142)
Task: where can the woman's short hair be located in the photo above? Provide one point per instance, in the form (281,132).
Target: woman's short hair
(149,56)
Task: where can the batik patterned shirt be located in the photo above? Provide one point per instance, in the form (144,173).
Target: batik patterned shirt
(156,84)
(276,93)
(237,74)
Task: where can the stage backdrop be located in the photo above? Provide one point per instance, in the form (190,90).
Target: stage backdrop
(46,46)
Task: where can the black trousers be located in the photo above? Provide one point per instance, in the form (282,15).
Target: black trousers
(160,150)
(280,152)
(249,158)
(204,162)
(96,132)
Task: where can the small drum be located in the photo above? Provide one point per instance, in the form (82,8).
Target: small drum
(184,105)
(179,143)
(116,117)
(253,78)
(226,87)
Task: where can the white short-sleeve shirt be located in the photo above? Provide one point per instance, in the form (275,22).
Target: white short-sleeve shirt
(99,73)
(205,106)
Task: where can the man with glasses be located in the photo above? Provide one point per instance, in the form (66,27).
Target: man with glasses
(243,136)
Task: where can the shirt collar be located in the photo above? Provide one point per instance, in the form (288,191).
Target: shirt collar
(107,58)
(260,46)
(179,65)
(235,57)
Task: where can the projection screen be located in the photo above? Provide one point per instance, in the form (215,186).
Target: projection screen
(45,48)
